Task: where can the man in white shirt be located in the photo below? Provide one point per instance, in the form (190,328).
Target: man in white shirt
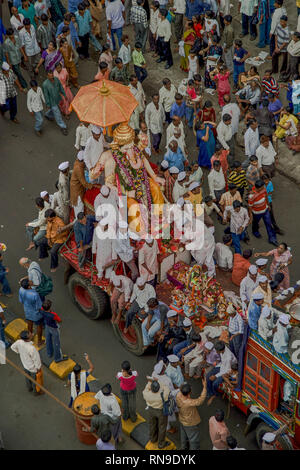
(266,156)
(234,111)
(225,136)
(154,13)
(16,20)
(251,139)
(30,48)
(95,146)
(164,34)
(266,327)
(125,251)
(216,181)
(115,15)
(120,295)
(141,293)
(33,270)
(154,117)
(167,97)
(137,90)
(215,377)
(110,407)
(247,8)
(35,100)
(223,254)
(40,224)
(83,133)
(30,358)
(148,262)
(239,220)
(178,7)
(248,284)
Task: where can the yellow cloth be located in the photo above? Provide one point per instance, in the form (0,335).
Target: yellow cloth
(280,133)
(134,219)
(196,199)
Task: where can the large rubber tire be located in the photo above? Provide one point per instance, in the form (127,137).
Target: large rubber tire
(91,300)
(283,441)
(133,340)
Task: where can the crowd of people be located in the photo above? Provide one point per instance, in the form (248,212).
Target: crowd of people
(44,34)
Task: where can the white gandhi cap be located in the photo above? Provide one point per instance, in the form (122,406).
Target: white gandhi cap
(173,170)
(63,166)
(171,313)
(173,358)
(104,190)
(181,175)
(140,281)
(43,193)
(96,129)
(186,322)
(252,269)
(158,367)
(208,345)
(5,66)
(194,185)
(164,164)
(269,437)
(284,319)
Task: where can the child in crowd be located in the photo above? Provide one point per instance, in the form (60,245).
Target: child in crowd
(125,51)
(231,378)
(221,75)
(103,72)
(193,64)
(239,56)
(106,56)
(35,100)
(127,379)
(139,62)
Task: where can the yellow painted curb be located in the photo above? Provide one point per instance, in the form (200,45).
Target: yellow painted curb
(14,328)
(151,446)
(62,369)
(128,426)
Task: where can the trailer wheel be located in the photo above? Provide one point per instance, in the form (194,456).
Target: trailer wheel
(282,442)
(133,339)
(91,300)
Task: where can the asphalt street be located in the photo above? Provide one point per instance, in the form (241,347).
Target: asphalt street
(29,165)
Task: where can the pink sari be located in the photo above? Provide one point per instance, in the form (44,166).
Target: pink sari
(64,104)
(277,261)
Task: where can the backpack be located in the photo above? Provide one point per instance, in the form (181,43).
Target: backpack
(169,406)
(46,285)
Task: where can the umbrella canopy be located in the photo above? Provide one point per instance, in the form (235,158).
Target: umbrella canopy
(104,103)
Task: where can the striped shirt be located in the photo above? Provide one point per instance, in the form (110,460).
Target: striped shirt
(270,85)
(227,198)
(258,201)
(236,324)
(238,178)
(283,36)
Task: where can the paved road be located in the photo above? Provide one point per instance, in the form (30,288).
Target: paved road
(29,165)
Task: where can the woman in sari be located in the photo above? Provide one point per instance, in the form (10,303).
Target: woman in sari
(207,113)
(50,57)
(188,38)
(287,126)
(63,76)
(205,141)
(67,54)
(282,258)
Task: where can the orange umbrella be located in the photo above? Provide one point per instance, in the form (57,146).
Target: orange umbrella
(104,103)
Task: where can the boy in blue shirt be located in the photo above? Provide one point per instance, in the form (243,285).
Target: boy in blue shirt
(270,189)
(239,56)
(179,107)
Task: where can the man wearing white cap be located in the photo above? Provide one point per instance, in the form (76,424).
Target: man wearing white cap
(124,249)
(248,284)
(269,438)
(204,255)
(154,117)
(8,95)
(78,184)
(179,138)
(64,189)
(174,155)
(182,348)
(47,197)
(106,256)
(141,293)
(235,330)
(120,295)
(254,309)
(148,261)
(261,263)
(175,124)
(281,335)
(37,228)
(194,196)
(83,132)
(95,146)
(179,188)
(266,327)
(173,370)
(106,196)
(265,289)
